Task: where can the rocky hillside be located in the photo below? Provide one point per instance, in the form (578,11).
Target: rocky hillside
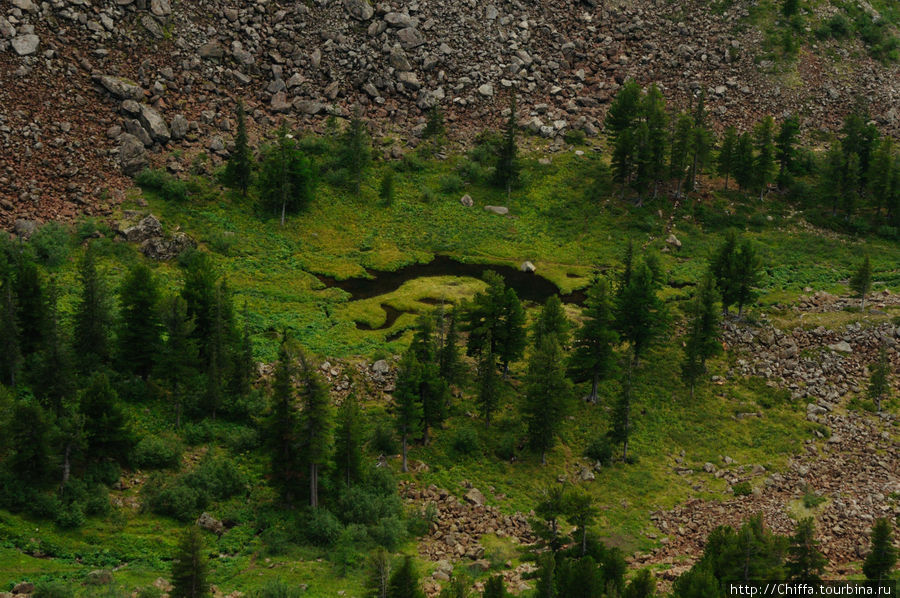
(94,89)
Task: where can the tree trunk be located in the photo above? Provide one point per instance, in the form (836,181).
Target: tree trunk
(404,467)
(726,182)
(543,457)
(584,540)
(594,383)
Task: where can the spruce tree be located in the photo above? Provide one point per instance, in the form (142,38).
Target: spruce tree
(348,442)
(139,326)
(495,316)
(700,142)
(851,184)
(746,275)
(882,557)
(831,180)
(287,178)
(593,357)
(861,281)
(189,567)
(488,398)
(494,588)
(551,508)
(582,513)
(624,109)
(545,586)
(10,354)
(449,361)
(879,382)
(31,306)
(28,432)
(506,172)
(702,340)
(881,172)
(239,168)
(744,166)
(654,113)
(405,581)
(408,408)
(624,158)
(547,392)
(640,314)
(680,150)
(105,429)
(723,267)
(805,562)
(785,150)
(764,164)
(726,160)
(283,426)
(552,320)
(93,317)
(642,585)
(178,361)
(355,151)
(51,374)
(316,425)
(434,130)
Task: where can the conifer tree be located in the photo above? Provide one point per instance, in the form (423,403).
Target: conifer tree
(434,130)
(316,425)
(624,158)
(703,332)
(697,582)
(744,167)
(52,375)
(494,588)
(31,306)
(239,168)
(851,184)
(408,414)
(642,585)
(861,281)
(879,383)
(700,142)
(287,178)
(881,172)
(805,562)
(495,316)
(506,172)
(355,151)
(747,272)
(547,392)
(681,145)
(582,513)
(593,357)
(621,425)
(379,579)
(348,442)
(105,430)
(764,164)
(448,355)
(93,317)
(139,327)
(551,508)
(283,426)
(832,178)
(726,161)
(882,557)
(405,582)
(10,355)
(785,149)
(189,567)
(654,114)
(488,398)
(551,321)
(623,110)
(723,268)
(244,366)
(179,358)
(545,586)
(640,315)
(28,433)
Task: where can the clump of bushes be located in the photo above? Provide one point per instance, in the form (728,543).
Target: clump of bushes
(157,452)
(163,183)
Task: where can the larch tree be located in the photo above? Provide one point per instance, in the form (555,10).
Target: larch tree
(404,581)
(488,398)
(744,165)
(355,151)
(551,320)
(621,424)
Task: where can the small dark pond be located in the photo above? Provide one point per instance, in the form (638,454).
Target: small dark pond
(530,287)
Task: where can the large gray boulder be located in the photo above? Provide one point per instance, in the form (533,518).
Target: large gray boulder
(25,45)
(211,50)
(500,210)
(410,37)
(122,88)
(179,127)
(148,228)
(132,155)
(155,124)
(359,9)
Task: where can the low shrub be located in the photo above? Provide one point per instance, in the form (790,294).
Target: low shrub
(51,244)
(157,452)
(742,489)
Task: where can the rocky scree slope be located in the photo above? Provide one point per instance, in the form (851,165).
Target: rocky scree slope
(93,89)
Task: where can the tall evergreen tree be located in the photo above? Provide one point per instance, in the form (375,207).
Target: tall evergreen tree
(640,314)
(747,273)
(700,142)
(348,442)
(881,174)
(806,563)
(506,172)
(545,586)
(287,178)
(702,340)
(681,147)
(189,567)
(31,306)
(355,151)
(10,354)
(386,190)
(28,433)
(882,557)
(551,508)
(179,358)
(105,429)
(785,149)
(727,154)
(316,425)
(408,410)
(744,167)
(405,581)
(139,326)
(239,168)
(495,316)
(582,513)
(93,317)
(621,424)
(879,382)
(488,398)
(624,109)
(861,281)
(283,426)
(449,361)
(642,585)
(52,377)
(494,588)
(552,320)
(764,164)
(850,184)
(832,177)
(723,267)
(547,392)
(593,357)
